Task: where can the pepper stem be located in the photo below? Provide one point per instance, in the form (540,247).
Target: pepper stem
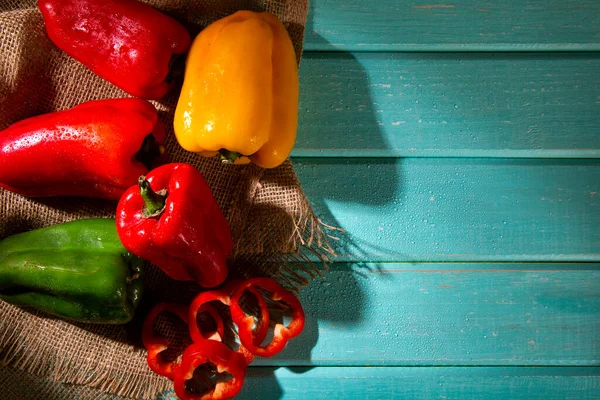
(229,157)
(154,202)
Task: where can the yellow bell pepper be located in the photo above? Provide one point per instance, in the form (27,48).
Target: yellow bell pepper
(240,91)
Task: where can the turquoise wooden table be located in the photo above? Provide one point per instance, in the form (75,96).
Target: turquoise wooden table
(458,145)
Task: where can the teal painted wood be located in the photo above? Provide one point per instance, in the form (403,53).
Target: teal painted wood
(457,25)
(449,314)
(419,383)
(449,105)
(457,209)
(363,383)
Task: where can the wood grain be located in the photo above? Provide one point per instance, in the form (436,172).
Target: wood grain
(449,105)
(458,25)
(457,209)
(398,314)
(419,383)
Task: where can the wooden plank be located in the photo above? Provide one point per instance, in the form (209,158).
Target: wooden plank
(449,105)
(449,314)
(456,25)
(365,383)
(457,209)
(419,383)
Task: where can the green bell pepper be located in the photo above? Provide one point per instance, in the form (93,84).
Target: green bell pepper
(78,270)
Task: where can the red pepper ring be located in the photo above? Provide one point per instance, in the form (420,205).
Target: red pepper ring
(196,307)
(282,334)
(262,325)
(222,358)
(201,302)
(219,333)
(156,344)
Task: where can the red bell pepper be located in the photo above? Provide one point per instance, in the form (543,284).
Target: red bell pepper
(128,43)
(217,354)
(155,344)
(282,334)
(172,220)
(96,149)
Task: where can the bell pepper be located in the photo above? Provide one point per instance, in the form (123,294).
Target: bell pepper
(78,270)
(282,334)
(217,354)
(96,149)
(172,220)
(126,42)
(240,91)
(155,344)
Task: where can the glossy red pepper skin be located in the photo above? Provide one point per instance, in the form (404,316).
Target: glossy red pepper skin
(88,150)
(222,358)
(282,334)
(128,43)
(261,326)
(189,239)
(156,344)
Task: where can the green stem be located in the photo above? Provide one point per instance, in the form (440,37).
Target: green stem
(229,157)
(154,202)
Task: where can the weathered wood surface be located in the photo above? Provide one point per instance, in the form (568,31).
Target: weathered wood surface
(458,209)
(454,25)
(449,105)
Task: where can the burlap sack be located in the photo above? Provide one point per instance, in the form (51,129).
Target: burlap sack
(273,226)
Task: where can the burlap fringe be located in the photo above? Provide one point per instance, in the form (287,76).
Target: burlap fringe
(43,362)
(293,270)
(274,228)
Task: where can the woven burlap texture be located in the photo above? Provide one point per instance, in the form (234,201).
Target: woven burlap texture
(19,385)
(273,226)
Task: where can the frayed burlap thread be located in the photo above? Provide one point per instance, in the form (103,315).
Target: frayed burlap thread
(274,229)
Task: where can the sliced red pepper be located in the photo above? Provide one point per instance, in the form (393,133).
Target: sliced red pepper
(219,332)
(201,301)
(225,360)
(196,307)
(157,344)
(282,334)
(238,315)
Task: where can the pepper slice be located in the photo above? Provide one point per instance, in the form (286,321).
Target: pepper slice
(219,332)
(196,307)
(238,315)
(225,360)
(282,334)
(156,344)
(201,302)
